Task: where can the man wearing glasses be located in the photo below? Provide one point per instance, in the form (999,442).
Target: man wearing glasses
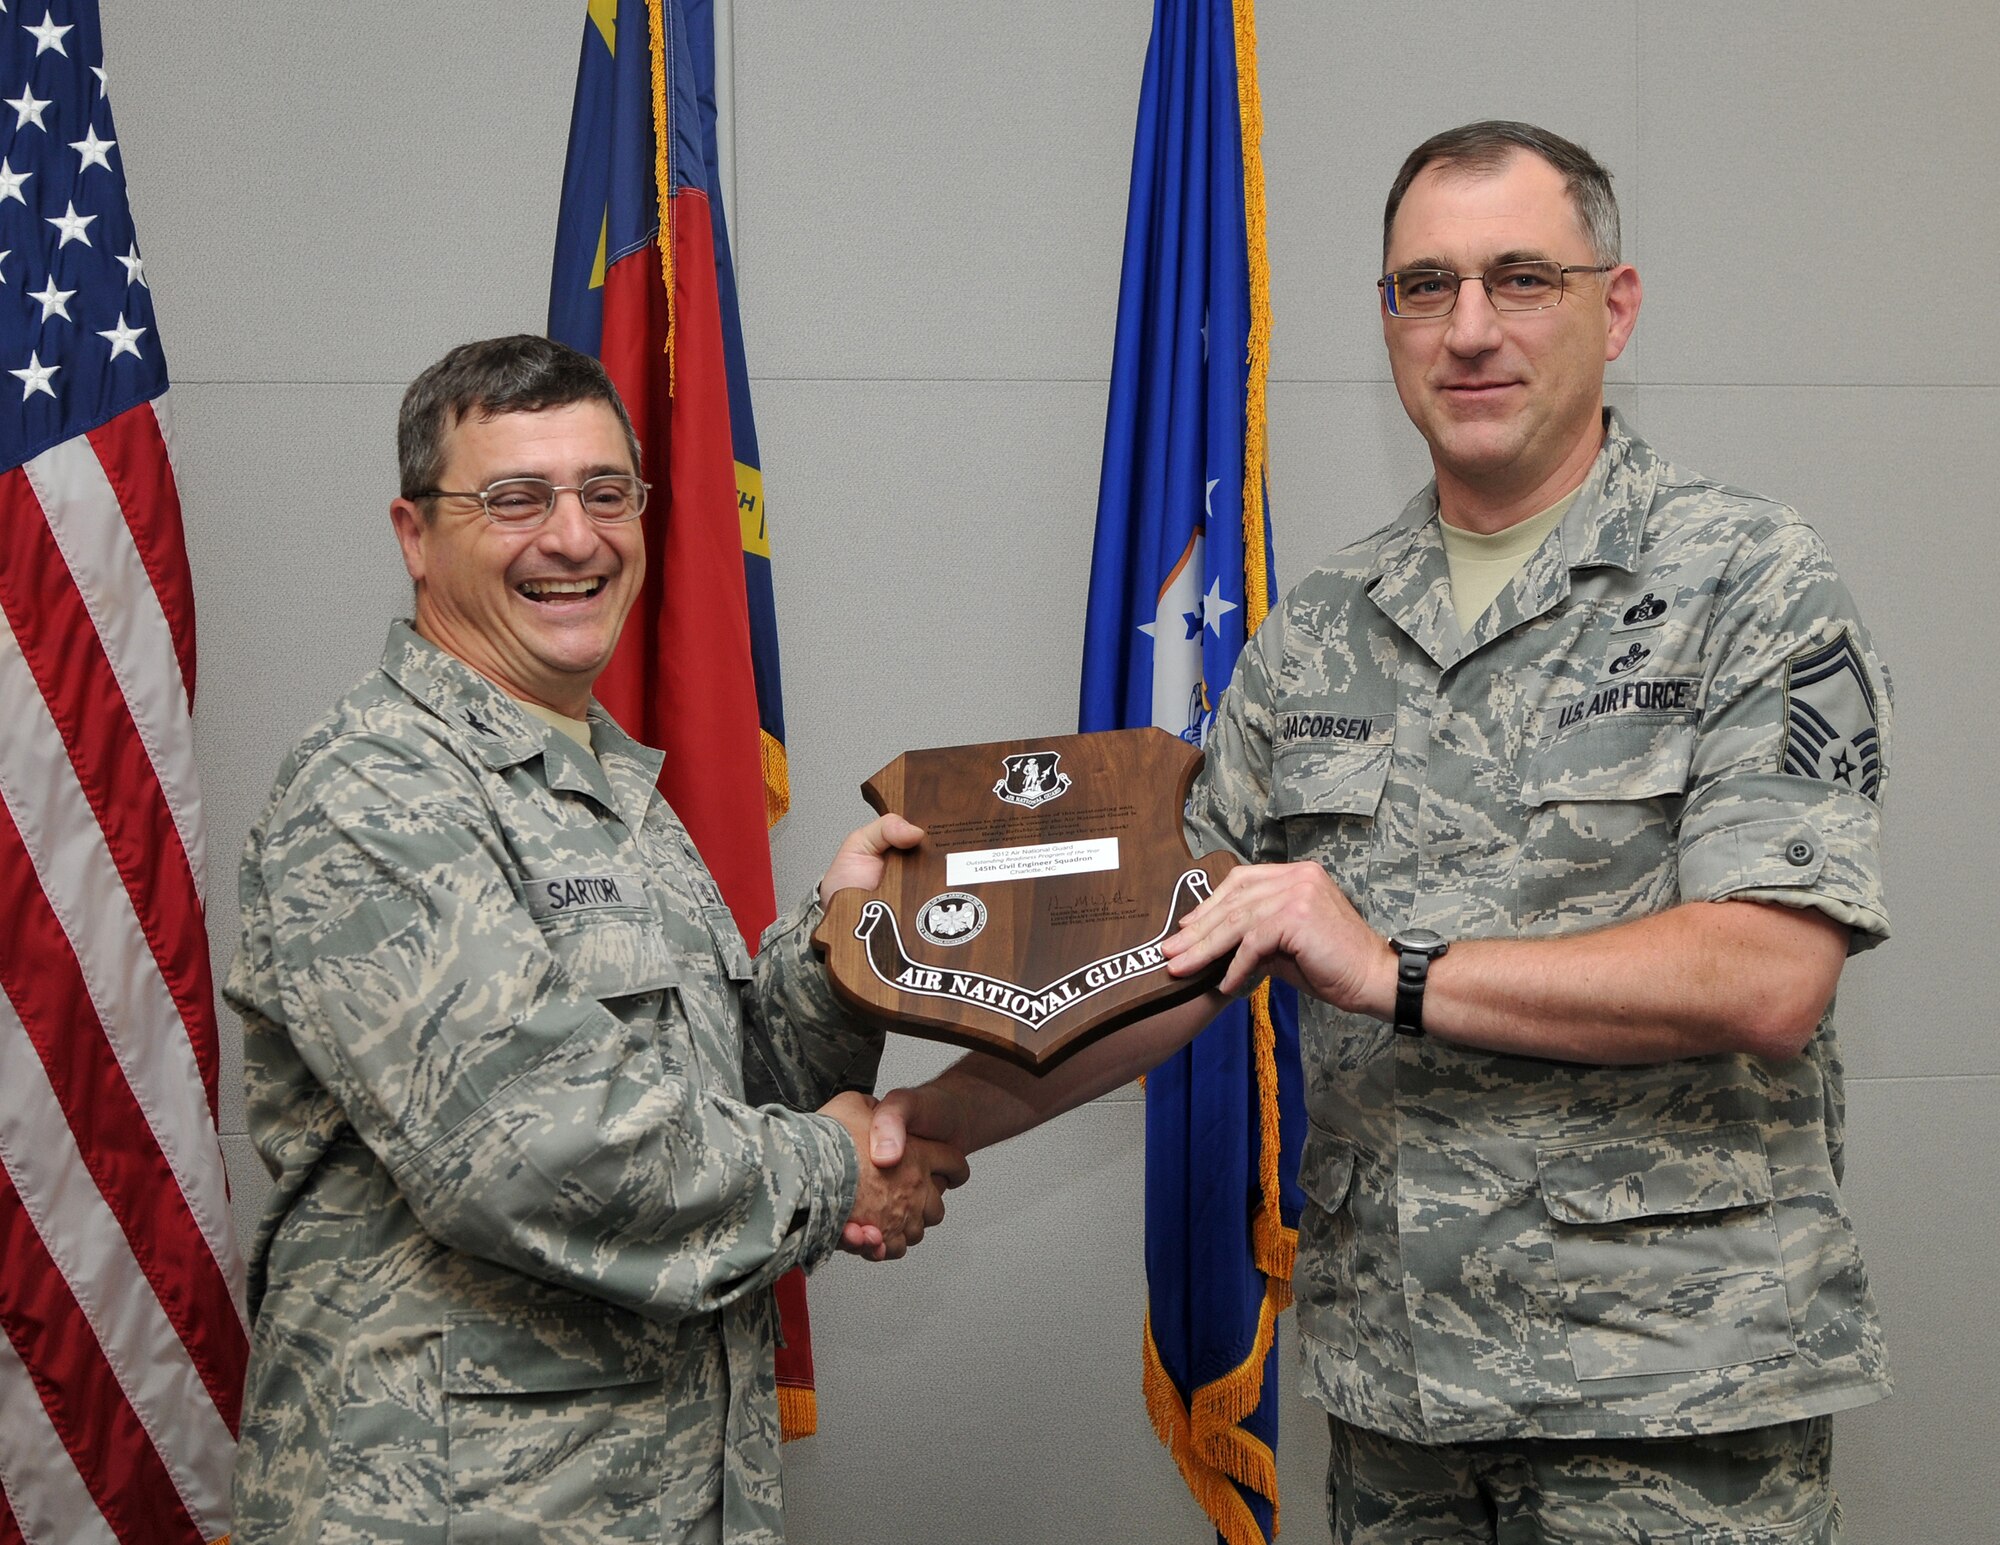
(537,1123)
(1561,796)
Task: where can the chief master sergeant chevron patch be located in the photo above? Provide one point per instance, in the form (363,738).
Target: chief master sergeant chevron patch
(1830,725)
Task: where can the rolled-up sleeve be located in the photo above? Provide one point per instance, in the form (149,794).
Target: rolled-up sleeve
(1791,757)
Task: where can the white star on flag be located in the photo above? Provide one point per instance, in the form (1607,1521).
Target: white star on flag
(135,269)
(28,108)
(52,300)
(103,84)
(35,377)
(124,339)
(72,225)
(47,36)
(92,149)
(10,183)
(1214,608)
(7,252)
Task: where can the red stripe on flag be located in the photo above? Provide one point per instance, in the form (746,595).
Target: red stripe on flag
(99,1428)
(681,679)
(40,975)
(60,643)
(134,454)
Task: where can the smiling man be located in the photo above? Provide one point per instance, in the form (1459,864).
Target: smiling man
(542,1134)
(1561,801)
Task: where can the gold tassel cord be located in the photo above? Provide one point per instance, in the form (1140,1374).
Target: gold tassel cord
(1212,1451)
(663,183)
(777,778)
(798,1412)
(1250,107)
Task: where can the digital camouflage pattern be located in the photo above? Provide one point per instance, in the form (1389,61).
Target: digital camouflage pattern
(1498,1246)
(1767,1486)
(515,1076)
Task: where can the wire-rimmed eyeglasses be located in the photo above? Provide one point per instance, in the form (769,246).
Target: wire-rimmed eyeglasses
(1534,285)
(521,502)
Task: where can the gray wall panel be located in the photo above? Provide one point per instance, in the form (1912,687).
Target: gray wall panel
(1349,91)
(341,192)
(296,576)
(1923,1181)
(1814,180)
(882,147)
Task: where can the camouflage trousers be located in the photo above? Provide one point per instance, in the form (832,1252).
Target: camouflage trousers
(1765,1486)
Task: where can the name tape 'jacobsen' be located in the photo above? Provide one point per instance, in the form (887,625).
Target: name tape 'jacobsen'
(1362,728)
(1661,694)
(559,893)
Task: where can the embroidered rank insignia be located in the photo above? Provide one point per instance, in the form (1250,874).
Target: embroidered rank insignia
(1831,731)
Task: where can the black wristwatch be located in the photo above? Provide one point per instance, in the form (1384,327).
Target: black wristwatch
(1415,949)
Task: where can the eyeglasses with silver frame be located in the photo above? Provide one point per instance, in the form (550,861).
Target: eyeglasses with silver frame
(1533,285)
(521,503)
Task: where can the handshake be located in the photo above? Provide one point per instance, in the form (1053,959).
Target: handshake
(903,1179)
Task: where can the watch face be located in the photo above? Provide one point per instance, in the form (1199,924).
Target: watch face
(1419,940)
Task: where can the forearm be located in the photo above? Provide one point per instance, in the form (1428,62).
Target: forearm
(996,1099)
(1699,979)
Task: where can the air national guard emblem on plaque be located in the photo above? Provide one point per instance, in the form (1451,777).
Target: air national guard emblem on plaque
(1831,731)
(1032,779)
(1029,920)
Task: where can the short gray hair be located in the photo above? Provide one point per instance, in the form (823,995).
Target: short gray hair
(1482,148)
(521,374)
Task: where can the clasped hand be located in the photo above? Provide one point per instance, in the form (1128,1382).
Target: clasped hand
(894,1202)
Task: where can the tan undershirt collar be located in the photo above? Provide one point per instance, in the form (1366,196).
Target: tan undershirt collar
(1482,566)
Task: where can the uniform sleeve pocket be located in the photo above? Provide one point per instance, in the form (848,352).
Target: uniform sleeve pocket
(1667,1252)
(611,955)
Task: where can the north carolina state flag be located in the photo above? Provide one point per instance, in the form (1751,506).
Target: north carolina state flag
(696,672)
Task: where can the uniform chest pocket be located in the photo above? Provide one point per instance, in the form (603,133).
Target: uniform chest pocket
(1603,809)
(1667,1250)
(727,938)
(611,955)
(1327,796)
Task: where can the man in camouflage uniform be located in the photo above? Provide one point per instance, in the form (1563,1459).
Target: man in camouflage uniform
(1575,1264)
(535,1118)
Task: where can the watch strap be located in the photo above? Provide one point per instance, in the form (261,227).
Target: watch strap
(1413,969)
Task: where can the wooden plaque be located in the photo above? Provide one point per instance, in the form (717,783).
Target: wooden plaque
(1028,922)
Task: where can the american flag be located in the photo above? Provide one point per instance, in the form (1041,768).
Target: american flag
(121,1371)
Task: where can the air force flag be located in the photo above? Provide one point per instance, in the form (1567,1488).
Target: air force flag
(1180,576)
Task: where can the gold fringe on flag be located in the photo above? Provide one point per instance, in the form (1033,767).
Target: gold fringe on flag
(1212,1451)
(663,182)
(777,778)
(798,1412)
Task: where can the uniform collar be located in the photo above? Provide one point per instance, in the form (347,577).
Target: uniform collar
(1411,580)
(502,736)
